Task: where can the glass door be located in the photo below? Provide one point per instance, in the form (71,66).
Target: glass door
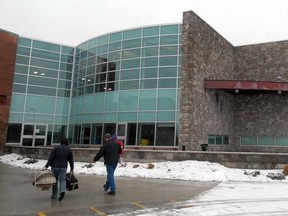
(34,135)
(121,131)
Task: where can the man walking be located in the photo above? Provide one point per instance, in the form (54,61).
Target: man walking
(110,151)
(58,160)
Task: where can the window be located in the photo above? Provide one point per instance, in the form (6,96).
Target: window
(218,139)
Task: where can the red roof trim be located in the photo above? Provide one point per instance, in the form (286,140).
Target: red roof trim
(246,85)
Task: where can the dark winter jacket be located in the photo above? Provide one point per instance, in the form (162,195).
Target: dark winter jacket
(110,151)
(60,156)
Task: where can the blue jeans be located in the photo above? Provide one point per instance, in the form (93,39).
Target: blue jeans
(110,183)
(60,175)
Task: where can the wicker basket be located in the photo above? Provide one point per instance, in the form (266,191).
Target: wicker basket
(44,180)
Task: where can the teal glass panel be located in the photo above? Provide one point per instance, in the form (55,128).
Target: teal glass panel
(86,119)
(40,72)
(131,53)
(41,91)
(46,46)
(19,88)
(43,119)
(24,42)
(62,106)
(166,61)
(92,43)
(168,72)
(150,51)
(147,100)
(45,54)
(114,46)
(38,104)
(130,74)
(168,50)
(22,60)
(180,72)
(225,140)
(165,116)
(269,141)
(132,33)
(167,83)
(149,72)
(16,117)
(131,43)
(148,83)
(111,101)
(17,103)
(109,117)
(151,31)
(103,40)
(97,118)
(128,85)
(63,93)
(92,52)
(18,78)
(219,139)
(151,41)
(98,103)
(150,62)
(146,116)
(248,140)
(61,120)
(102,49)
(42,81)
(67,50)
(65,75)
(64,84)
(115,36)
(169,40)
(169,29)
(44,63)
(66,58)
(87,104)
(23,51)
(114,56)
(281,141)
(66,67)
(128,100)
(23,69)
(127,117)
(166,99)
(211,139)
(133,63)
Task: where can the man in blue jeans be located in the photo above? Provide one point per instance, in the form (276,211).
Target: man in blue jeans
(58,160)
(110,151)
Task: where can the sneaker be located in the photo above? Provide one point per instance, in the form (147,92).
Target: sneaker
(105,187)
(111,193)
(62,194)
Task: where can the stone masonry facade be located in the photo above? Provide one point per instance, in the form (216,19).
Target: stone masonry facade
(207,55)
(8,47)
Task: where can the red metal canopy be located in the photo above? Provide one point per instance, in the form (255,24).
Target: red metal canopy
(238,85)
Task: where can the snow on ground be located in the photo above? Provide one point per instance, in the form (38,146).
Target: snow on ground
(241,191)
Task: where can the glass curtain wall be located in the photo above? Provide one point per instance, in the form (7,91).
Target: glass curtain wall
(129,77)
(40,104)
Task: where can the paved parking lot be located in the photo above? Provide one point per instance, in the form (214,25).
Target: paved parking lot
(19,197)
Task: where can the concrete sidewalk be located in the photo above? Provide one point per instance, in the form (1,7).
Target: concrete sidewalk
(19,197)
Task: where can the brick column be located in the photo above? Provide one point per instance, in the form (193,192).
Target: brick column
(8,47)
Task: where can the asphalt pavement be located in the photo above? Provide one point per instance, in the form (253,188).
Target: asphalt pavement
(19,198)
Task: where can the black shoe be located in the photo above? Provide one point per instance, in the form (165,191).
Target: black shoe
(62,194)
(53,197)
(105,187)
(111,193)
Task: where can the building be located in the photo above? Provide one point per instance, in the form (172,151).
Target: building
(153,86)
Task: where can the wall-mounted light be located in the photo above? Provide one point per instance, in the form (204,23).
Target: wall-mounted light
(236,90)
(279,91)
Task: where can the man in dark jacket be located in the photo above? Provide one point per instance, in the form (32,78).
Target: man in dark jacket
(110,151)
(58,160)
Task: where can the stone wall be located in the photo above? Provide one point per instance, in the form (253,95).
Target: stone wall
(8,47)
(243,160)
(205,55)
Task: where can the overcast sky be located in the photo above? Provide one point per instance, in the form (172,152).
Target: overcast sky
(72,22)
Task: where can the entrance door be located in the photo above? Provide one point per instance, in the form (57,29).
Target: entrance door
(34,134)
(121,131)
